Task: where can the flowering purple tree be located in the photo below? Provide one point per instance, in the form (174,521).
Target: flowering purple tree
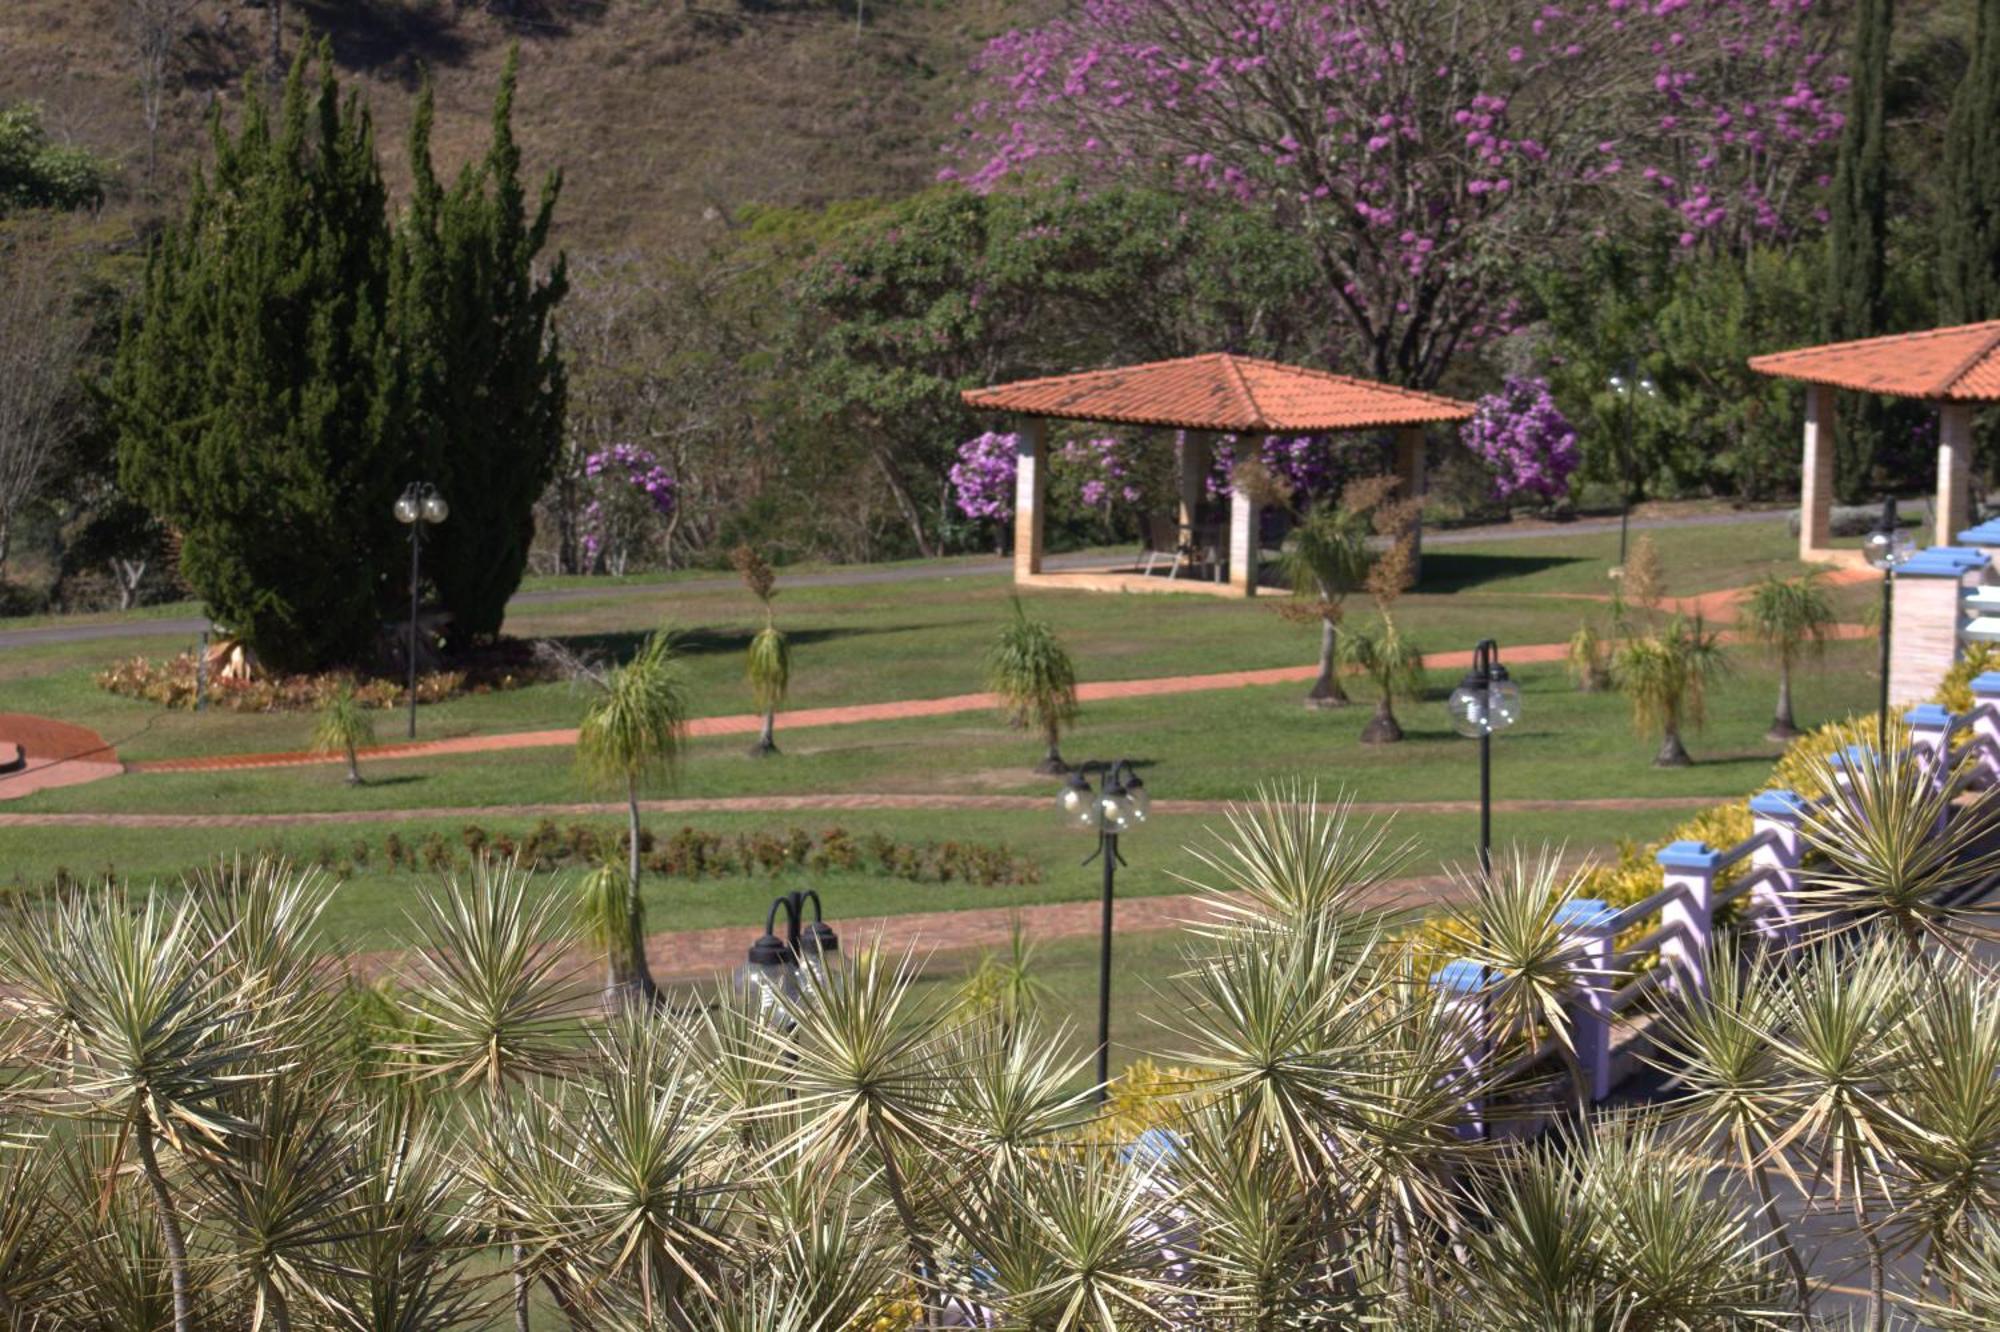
(1524,439)
(1425,155)
(1303,462)
(982,480)
(632,498)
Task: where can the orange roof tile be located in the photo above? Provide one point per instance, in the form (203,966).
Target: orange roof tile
(1959,364)
(1220,391)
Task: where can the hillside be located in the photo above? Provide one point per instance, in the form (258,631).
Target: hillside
(663,116)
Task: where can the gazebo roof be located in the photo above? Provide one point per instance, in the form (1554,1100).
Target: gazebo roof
(1959,364)
(1223,392)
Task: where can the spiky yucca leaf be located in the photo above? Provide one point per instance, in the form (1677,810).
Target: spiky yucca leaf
(1286,859)
(1894,845)
(494,993)
(1510,923)
(635,726)
(768,667)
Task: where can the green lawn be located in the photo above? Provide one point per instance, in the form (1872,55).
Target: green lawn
(925,638)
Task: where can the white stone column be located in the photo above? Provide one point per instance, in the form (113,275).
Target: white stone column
(1689,867)
(1816,474)
(1030,488)
(1192,457)
(1245,519)
(1954,492)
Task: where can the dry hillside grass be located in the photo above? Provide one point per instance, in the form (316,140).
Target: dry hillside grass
(664,117)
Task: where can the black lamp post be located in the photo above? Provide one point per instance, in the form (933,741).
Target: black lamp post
(775,967)
(1486,700)
(1627,386)
(1889,548)
(1120,802)
(419,505)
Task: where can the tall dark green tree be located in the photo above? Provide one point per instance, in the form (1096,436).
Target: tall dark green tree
(472,318)
(1856,279)
(256,392)
(1969,227)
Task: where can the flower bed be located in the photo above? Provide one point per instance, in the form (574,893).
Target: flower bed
(508,664)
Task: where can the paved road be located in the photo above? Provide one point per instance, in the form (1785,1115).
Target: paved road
(865,575)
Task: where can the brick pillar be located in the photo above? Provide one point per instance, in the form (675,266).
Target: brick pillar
(1816,475)
(1030,488)
(1954,492)
(1192,457)
(1244,519)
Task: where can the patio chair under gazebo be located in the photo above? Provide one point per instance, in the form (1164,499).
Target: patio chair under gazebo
(1216,394)
(1957,368)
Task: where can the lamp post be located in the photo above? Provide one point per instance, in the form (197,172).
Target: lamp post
(1120,803)
(1486,700)
(1627,386)
(776,968)
(419,505)
(1889,548)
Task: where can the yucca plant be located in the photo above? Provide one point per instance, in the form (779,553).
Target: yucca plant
(1792,618)
(1666,674)
(1587,659)
(768,664)
(632,733)
(1035,681)
(1325,559)
(344,727)
(1895,845)
(1393,664)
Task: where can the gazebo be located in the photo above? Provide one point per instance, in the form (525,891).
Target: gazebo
(1215,394)
(1956,368)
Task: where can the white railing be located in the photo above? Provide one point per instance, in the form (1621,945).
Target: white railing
(1695,887)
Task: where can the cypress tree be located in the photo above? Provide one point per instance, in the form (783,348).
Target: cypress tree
(256,392)
(473,321)
(1969,259)
(1856,304)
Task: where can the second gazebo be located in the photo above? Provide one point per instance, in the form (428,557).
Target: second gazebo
(1216,394)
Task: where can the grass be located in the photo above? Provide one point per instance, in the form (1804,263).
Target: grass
(920,638)
(369,907)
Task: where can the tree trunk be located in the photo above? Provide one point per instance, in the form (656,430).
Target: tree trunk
(639,976)
(520,1253)
(1781,1236)
(1782,725)
(353,767)
(905,504)
(170,1225)
(767,743)
(1052,762)
(1382,728)
(274,1302)
(1326,691)
(1673,754)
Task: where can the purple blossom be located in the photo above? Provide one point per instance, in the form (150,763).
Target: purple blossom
(1523,437)
(983,477)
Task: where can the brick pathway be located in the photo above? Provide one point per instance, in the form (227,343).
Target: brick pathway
(679,956)
(781,804)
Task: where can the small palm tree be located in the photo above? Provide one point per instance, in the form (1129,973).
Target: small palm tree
(769,670)
(1395,665)
(1325,558)
(344,727)
(769,665)
(1035,679)
(1666,675)
(1587,657)
(632,733)
(1791,617)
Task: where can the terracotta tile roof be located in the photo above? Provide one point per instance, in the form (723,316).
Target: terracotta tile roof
(1223,392)
(1959,364)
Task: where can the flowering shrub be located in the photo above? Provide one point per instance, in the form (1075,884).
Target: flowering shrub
(631,494)
(1524,439)
(983,477)
(1104,469)
(171,683)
